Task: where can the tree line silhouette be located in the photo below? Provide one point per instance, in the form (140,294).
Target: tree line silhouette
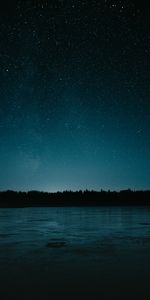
(68,198)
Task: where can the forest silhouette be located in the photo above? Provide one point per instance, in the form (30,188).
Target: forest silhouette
(79,198)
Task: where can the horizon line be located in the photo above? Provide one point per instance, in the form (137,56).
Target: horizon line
(77,191)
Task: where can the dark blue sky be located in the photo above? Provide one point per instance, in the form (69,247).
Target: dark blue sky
(74,95)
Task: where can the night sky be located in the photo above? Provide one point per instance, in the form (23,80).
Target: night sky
(74,95)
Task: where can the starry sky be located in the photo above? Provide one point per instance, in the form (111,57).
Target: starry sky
(74,95)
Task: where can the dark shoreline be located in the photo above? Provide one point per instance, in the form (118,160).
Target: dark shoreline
(13,199)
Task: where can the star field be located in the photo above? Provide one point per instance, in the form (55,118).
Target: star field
(74,95)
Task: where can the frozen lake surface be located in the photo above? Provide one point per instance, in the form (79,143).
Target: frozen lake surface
(76,252)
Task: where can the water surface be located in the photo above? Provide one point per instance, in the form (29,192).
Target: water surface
(76,252)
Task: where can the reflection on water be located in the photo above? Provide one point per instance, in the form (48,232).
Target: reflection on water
(79,252)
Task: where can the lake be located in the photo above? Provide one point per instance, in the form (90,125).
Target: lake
(75,252)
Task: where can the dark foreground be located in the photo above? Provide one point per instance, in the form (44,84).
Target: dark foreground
(75,253)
